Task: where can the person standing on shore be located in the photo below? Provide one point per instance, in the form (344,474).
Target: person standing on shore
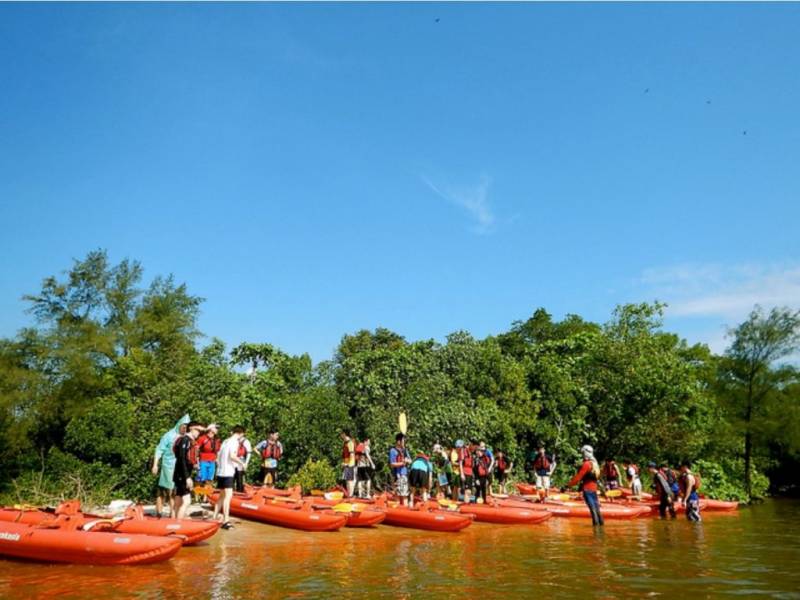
(348,462)
(228,460)
(365,467)
(208,446)
(399,460)
(164,466)
(543,467)
(271,452)
(184,467)
(587,477)
(244,452)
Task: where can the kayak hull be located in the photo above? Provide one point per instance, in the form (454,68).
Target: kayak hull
(189,531)
(429,520)
(505,514)
(285,514)
(57,545)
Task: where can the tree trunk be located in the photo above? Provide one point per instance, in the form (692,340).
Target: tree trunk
(748,449)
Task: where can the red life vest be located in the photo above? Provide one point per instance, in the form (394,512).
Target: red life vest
(697,483)
(346,449)
(466,461)
(542,463)
(610,471)
(208,447)
(502,463)
(482,465)
(242,451)
(272,451)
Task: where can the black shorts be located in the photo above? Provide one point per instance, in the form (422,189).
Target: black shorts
(225,483)
(467,482)
(502,476)
(364,473)
(181,489)
(418,478)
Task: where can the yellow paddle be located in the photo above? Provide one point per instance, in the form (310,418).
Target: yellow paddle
(560,497)
(333,495)
(402,423)
(348,507)
(613,493)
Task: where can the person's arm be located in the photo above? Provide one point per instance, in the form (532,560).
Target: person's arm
(552,466)
(260,446)
(233,456)
(398,461)
(580,474)
(688,489)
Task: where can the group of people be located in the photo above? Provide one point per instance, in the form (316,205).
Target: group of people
(191,455)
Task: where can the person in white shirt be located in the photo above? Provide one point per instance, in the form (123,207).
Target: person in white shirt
(228,463)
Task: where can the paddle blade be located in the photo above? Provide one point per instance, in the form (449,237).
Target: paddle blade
(613,493)
(402,423)
(333,495)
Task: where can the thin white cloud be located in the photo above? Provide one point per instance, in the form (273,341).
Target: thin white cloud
(727,291)
(472,199)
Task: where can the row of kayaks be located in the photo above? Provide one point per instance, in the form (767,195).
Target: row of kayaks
(68,535)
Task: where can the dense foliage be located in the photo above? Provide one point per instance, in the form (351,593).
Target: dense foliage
(111,364)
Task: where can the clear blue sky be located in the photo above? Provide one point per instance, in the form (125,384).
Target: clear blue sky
(315,169)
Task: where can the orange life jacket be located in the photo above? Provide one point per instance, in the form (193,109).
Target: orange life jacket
(272,451)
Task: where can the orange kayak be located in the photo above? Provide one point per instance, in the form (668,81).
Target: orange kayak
(134,521)
(719,505)
(294,515)
(505,514)
(58,541)
(575,508)
(423,516)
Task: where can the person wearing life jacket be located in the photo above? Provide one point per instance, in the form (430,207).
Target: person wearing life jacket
(689,486)
(271,451)
(365,467)
(489,454)
(610,474)
(632,472)
(420,478)
(207,446)
(672,479)
(587,477)
(543,467)
(244,452)
(399,460)
(455,464)
(663,491)
(502,467)
(482,468)
(348,462)
(184,467)
(466,461)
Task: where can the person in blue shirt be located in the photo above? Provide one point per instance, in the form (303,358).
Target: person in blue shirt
(420,478)
(487,452)
(399,460)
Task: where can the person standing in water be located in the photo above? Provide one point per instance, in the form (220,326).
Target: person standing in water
(689,484)
(663,491)
(632,471)
(587,477)
(543,467)
(228,460)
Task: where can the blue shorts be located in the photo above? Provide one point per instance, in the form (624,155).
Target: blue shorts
(207,469)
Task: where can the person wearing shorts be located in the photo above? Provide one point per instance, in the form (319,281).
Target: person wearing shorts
(543,467)
(227,462)
(398,462)
(420,478)
(365,467)
(502,467)
(348,462)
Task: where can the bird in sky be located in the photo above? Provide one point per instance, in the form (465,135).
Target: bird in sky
(646,90)
(437,19)
(744,132)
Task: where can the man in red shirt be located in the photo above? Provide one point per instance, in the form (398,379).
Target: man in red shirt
(587,478)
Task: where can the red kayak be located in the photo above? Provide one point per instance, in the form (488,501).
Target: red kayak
(505,514)
(134,521)
(424,517)
(295,515)
(60,540)
(576,508)
(719,505)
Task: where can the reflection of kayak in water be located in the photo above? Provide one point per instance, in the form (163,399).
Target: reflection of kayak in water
(133,521)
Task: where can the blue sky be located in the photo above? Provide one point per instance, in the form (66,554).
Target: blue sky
(316,169)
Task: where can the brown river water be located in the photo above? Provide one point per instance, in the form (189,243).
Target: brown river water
(754,552)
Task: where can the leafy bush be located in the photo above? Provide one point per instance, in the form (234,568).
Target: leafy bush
(315,474)
(724,480)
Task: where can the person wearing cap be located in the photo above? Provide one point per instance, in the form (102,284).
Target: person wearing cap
(587,477)
(663,491)
(184,466)
(208,446)
(420,478)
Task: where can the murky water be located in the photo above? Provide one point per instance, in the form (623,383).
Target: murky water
(756,552)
